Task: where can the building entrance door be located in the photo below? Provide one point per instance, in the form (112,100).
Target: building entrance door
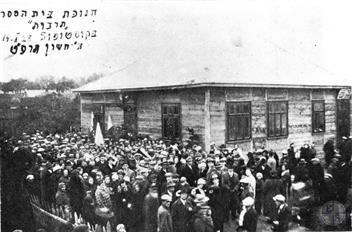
(99,116)
(343,119)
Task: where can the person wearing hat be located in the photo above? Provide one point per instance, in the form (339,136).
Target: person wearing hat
(189,171)
(161,176)
(170,190)
(343,146)
(181,211)
(211,168)
(283,213)
(150,209)
(165,223)
(230,181)
(248,217)
(169,178)
(128,172)
(217,202)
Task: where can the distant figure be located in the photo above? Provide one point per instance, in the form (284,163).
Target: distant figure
(329,150)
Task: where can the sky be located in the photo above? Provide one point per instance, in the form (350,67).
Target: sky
(318,32)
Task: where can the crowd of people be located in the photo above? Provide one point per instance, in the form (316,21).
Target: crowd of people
(152,185)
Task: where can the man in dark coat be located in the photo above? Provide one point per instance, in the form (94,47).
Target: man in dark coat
(76,192)
(292,162)
(329,151)
(348,150)
(188,172)
(316,173)
(181,211)
(150,209)
(161,176)
(250,218)
(217,202)
(230,181)
(283,214)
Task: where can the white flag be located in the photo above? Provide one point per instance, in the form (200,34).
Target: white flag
(91,121)
(99,140)
(109,122)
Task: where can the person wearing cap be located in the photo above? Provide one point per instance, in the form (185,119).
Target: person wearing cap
(316,173)
(165,223)
(181,211)
(202,220)
(283,213)
(248,217)
(217,202)
(259,192)
(120,228)
(150,209)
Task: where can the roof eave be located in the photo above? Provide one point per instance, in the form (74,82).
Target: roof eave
(213,84)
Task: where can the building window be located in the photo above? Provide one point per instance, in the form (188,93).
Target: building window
(238,120)
(277,118)
(318,116)
(171,121)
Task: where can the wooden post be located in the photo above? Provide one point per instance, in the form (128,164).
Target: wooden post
(207,120)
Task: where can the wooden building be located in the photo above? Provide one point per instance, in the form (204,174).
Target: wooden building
(253,116)
(232,97)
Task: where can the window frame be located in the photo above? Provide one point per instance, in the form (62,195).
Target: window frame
(178,105)
(268,113)
(314,118)
(238,115)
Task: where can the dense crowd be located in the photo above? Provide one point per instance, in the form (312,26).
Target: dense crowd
(152,185)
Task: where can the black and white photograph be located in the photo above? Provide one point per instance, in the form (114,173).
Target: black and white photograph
(175,116)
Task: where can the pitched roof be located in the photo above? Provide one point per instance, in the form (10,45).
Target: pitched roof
(245,62)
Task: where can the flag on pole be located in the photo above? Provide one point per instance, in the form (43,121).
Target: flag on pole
(99,140)
(109,122)
(91,121)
